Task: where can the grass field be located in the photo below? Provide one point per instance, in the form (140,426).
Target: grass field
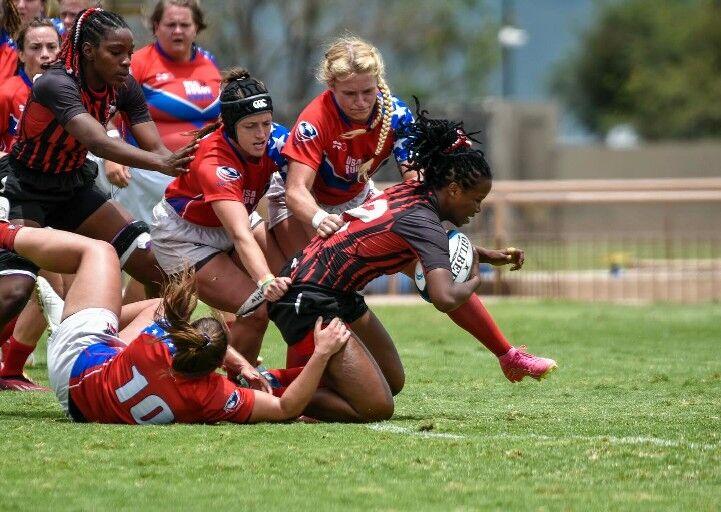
(631,421)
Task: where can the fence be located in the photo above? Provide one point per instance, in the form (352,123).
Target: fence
(581,245)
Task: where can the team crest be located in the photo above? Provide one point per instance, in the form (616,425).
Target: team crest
(226,173)
(305,132)
(233,401)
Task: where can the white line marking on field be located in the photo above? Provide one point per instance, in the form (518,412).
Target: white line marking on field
(397,429)
(390,428)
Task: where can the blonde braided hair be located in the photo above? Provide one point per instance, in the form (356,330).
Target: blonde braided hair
(348,56)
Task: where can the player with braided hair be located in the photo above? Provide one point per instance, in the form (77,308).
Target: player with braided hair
(338,142)
(383,236)
(47,176)
(207,218)
(161,368)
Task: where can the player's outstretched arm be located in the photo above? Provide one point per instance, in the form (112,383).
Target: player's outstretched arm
(510,256)
(328,341)
(91,134)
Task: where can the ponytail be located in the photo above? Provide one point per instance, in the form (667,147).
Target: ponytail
(201,344)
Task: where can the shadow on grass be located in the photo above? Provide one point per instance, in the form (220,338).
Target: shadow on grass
(34,415)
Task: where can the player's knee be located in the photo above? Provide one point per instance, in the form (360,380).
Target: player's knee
(380,410)
(396,382)
(255,322)
(14,294)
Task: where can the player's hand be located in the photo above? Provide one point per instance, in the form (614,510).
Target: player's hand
(117,174)
(177,163)
(329,225)
(332,338)
(276,288)
(255,380)
(511,256)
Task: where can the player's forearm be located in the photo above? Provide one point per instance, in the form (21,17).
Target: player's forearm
(455,295)
(120,152)
(301,202)
(251,256)
(301,390)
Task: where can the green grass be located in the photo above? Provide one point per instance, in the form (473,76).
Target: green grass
(631,421)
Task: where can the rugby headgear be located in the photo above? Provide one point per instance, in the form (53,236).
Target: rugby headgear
(243,97)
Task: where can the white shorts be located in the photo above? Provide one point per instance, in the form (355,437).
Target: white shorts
(178,243)
(278,211)
(73,335)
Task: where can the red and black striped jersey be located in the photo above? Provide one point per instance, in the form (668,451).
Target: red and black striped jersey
(381,236)
(43,143)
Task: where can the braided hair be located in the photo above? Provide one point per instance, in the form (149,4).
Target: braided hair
(441,152)
(90,27)
(347,56)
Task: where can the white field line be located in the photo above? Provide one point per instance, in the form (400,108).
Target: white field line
(630,440)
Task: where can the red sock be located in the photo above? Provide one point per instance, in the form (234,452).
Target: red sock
(7,235)
(15,357)
(7,331)
(285,375)
(475,318)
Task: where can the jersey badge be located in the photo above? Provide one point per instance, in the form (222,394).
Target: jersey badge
(305,132)
(233,401)
(226,173)
(163,77)
(339,145)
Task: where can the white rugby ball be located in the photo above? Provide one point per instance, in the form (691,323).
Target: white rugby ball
(460,251)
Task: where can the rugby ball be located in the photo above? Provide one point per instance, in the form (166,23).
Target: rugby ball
(460,250)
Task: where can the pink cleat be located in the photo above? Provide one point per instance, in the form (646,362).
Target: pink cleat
(517,363)
(20,383)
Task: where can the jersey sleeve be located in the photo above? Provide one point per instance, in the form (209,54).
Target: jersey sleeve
(224,401)
(426,236)
(401,119)
(218,181)
(307,140)
(59,94)
(131,101)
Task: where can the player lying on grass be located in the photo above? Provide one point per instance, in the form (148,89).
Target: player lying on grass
(168,372)
(383,236)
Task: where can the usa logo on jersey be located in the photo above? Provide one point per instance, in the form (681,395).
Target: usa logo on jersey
(305,132)
(226,173)
(232,402)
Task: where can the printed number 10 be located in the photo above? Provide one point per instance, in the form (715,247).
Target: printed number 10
(149,404)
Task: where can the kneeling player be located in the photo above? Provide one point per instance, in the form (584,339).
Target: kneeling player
(167,373)
(385,235)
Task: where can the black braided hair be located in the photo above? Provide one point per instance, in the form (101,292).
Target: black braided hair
(440,152)
(90,26)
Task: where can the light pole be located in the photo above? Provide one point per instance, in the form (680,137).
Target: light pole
(510,37)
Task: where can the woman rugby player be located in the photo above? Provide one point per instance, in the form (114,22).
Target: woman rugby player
(168,372)
(383,236)
(207,219)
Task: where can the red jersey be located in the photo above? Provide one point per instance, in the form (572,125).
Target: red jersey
(219,172)
(316,142)
(8,56)
(181,96)
(136,385)
(14,94)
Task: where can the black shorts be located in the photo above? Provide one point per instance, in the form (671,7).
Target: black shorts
(296,312)
(59,200)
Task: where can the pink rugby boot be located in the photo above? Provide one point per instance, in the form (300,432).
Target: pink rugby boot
(517,363)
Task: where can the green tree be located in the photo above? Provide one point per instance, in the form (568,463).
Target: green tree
(655,65)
